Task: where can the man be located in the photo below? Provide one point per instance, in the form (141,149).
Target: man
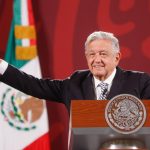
(103,80)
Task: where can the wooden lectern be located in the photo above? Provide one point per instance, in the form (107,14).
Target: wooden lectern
(91,130)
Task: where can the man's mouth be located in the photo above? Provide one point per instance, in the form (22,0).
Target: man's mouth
(98,66)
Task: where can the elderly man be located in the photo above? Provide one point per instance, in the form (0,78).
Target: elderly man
(103,80)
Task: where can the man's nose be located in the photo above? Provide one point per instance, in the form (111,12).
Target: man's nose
(98,57)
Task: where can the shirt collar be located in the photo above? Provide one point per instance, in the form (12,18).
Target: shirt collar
(108,80)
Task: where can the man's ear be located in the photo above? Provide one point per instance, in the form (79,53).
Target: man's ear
(118,57)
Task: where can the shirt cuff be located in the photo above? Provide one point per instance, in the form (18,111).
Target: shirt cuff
(3,67)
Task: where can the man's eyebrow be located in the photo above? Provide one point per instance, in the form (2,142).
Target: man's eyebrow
(91,50)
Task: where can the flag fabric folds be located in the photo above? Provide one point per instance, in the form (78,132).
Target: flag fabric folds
(23,118)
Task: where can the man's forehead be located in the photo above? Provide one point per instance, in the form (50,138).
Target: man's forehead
(98,50)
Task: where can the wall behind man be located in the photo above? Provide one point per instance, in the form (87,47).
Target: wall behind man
(66,25)
(62,27)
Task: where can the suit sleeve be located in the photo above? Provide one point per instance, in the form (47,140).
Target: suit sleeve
(145,86)
(40,88)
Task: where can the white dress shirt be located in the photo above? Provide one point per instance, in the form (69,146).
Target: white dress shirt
(108,81)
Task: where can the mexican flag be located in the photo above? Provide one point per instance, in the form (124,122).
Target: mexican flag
(23,118)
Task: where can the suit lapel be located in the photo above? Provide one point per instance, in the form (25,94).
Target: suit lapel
(81,87)
(88,88)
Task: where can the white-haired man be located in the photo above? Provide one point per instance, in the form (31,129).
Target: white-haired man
(103,80)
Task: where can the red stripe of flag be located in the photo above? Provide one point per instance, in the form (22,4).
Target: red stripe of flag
(31,19)
(42,143)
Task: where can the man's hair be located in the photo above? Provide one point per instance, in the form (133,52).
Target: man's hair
(103,35)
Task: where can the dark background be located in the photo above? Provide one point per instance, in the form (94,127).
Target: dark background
(62,27)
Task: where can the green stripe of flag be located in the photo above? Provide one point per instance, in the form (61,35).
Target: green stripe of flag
(17,17)
(10,51)
(17,12)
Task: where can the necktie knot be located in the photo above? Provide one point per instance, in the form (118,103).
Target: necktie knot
(104,90)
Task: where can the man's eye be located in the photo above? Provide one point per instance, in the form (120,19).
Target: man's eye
(92,54)
(103,54)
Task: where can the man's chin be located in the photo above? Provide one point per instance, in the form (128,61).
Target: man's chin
(98,74)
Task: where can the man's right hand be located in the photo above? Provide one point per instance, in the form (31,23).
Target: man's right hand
(3,66)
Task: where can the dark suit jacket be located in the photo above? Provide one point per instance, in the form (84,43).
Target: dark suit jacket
(78,86)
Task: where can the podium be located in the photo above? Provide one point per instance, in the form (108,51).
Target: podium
(91,131)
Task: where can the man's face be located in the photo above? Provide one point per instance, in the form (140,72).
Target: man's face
(101,58)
